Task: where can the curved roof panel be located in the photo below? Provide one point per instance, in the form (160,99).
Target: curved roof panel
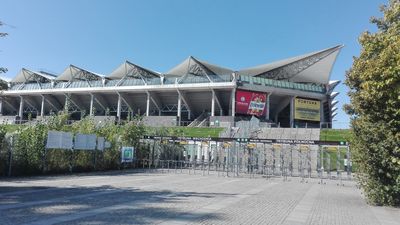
(75,73)
(197,67)
(5,79)
(26,75)
(313,67)
(128,69)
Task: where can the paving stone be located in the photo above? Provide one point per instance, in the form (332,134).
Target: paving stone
(175,198)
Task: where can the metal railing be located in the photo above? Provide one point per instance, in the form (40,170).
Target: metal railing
(261,160)
(125,82)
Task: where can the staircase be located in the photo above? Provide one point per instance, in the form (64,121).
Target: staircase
(200,119)
(204,122)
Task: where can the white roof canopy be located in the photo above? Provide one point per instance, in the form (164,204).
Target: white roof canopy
(197,67)
(331,85)
(75,73)
(26,75)
(314,67)
(5,79)
(128,69)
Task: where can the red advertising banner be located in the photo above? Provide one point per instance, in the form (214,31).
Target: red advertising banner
(250,102)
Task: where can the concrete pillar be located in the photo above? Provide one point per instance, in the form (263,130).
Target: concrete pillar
(66,105)
(91,104)
(321,114)
(292,111)
(1,107)
(119,107)
(148,105)
(233,103)
(213,104)
(179,105)
(267,107)
(21,107)
(42,107)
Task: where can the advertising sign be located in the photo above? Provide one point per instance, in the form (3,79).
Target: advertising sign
(127,154)
(306,109)
(250,102)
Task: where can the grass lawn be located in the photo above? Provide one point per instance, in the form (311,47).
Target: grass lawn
(335,135)
(195,131)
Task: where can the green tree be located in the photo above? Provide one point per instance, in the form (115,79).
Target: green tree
(374,82)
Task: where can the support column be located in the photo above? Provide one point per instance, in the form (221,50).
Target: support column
(21,107)
(213,104)
(66,105)
(1,107)
(321,114)
(119,107)
(42,107)
(292,112)
(268,108)
(179,107)
(148,105)
(233,102)
(91,104)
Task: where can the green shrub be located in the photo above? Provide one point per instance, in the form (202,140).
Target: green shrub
(374,84)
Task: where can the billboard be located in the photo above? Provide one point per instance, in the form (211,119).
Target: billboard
(306,109)
(250,102)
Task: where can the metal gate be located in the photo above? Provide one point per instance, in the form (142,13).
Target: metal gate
(249,158)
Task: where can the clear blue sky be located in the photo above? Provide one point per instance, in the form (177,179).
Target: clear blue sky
(100,35)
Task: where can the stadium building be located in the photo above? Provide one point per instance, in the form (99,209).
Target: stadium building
(294,92)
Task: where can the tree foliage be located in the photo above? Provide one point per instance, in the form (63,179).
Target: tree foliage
(374,82)
(26,147)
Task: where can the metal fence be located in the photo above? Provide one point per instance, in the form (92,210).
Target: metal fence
(243,159)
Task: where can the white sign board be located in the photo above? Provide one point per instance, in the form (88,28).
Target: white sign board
(59,140)
(100,143)
(85,142)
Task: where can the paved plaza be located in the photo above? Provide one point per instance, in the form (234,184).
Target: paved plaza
(129,197)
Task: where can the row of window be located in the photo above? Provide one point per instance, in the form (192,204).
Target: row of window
(282,84)
(125,82)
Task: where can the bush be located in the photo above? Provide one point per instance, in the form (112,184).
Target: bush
(30,157)
(375,109)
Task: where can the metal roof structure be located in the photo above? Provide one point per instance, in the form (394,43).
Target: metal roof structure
(5,79)
(26,75)
(197,67)
(313,67)
(128,69)
(72,73)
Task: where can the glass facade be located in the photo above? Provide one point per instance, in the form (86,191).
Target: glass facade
(189,79)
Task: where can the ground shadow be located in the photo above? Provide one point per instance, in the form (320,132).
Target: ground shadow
(103,204)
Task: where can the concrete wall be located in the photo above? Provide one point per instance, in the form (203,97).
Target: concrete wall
(160,121)
(7,119)
(104,119)
(223,121)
